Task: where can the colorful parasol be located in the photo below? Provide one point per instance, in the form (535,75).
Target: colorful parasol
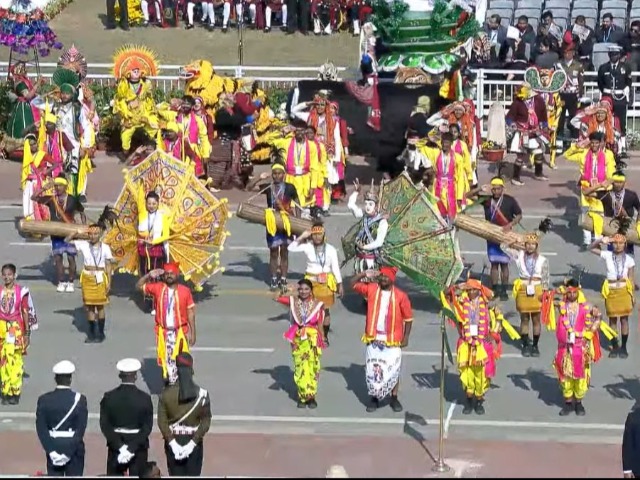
(419,241)
(197,217)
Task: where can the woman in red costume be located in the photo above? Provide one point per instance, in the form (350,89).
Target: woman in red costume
(599,118)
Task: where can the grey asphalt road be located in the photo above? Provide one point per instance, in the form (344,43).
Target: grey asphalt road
(243,360)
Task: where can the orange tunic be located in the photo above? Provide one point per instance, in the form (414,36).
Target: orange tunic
(399,312)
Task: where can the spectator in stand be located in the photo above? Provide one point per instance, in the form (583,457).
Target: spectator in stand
(583,37)
(546,56)
(552,26)
(633,45)
(496,33)
(298,16)
(609,32)
(522,47)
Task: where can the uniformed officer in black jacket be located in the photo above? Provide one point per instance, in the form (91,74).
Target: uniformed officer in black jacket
(126,421)
(631,445)
(614,81)
(184,418)
(61,420)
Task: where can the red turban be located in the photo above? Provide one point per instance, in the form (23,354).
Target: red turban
(172,267)
(389,272)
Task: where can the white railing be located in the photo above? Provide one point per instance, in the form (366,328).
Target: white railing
(268,76)
(502,90)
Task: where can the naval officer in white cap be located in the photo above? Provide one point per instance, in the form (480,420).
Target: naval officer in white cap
(61,420)
(126,421)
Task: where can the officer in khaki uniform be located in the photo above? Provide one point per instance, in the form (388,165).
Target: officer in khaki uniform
(572,91)
(184,418)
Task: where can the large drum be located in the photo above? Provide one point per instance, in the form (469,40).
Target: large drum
(229,165)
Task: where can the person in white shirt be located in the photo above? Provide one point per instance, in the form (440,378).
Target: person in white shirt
(323,269)
(373,230)
(528,288)
(618,287)
(95,279)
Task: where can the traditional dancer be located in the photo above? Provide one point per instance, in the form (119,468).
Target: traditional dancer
(599,118)
(527,119)
(503,210)
(528,289)
(339,189)
(18,318)
(388,326)
(461,114)
(281,197)
(322,186)
(54,142)
(597,165)
(23,113)
(200,110)
(373,229)
(62,208)
(578,347)
(172,141)
(306,313)
(175,316)
(323,269)
(36,170)
(460,147)
(95,279)
(479,327)
(133,101)
(184,418)
(617,288)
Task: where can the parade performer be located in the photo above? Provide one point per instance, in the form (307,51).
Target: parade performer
(479,326)
(36,170)
(172,141)
(577,332)
(461,148)
(451,176)
(283,197)
(461,114)
(388,326)
(18,318)
(323,269)
(62,208)
(373,229)
(597,165)
(527,120)
(126,421)
(184,418)
(175,316)
(599,118)
(95,279)
(528,289)
(306,315)
(322,117)
(54,142)
(617,288)
(61,421)
(503,210)
(301,162)
(322,186)
(23,113)
(554,109)
(133,101)
(339,190)
(200,110)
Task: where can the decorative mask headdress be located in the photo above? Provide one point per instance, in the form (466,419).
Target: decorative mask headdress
(132,57)
(372,194)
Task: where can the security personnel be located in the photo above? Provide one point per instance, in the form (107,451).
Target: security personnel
(126,421)
(61,420)
(614,81)
(184,418)
(631,445)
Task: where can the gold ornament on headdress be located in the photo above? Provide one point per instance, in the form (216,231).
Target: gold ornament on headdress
(532,237)
(372,194)
(132,57)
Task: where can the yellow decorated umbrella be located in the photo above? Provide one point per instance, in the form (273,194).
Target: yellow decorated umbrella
(197,219)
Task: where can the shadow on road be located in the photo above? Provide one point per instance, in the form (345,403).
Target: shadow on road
(258,269)
(545,385)
(45,271)
(79,318)
(152,375)
(431,381)
(628,388)
(282,377)
(355,377)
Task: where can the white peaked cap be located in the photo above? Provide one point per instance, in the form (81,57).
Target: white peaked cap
(129,365)
(65,367)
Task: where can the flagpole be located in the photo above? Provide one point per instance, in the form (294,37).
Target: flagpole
(440,465)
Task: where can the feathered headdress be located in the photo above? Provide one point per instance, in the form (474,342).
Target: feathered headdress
(132,57)
(66,80)
(543,228)
(372,194)
(73,60)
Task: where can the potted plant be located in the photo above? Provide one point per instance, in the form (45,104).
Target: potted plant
(492,151)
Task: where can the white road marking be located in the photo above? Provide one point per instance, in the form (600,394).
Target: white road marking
(378,421)
(447,420)
(226,349)
(437,354)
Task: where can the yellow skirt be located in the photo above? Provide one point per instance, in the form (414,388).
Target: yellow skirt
(94,293)
(324,294)
(526,303)
(619,303)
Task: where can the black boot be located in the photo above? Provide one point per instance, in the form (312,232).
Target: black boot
(373,404)
(535,352)
(91,334)
(312,403)
(479,408)
(580,411)
(13,400)
(566,409)
(526,347)
(326,329)
(101,337)
(468,406)
(395,404)
(515,179)
(504,296)
(614,349)
(537,169)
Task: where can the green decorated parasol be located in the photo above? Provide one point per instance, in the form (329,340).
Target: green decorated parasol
(419,242)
